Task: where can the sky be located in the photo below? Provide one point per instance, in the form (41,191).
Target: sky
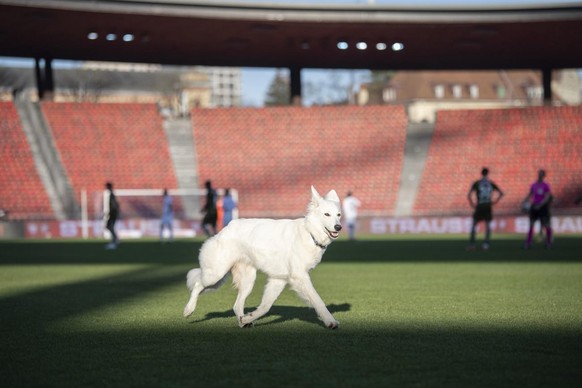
(256,81)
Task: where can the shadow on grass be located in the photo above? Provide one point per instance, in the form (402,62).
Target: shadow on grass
(289,347)
(273,356)
(36,310)
(566,249)
(284,314)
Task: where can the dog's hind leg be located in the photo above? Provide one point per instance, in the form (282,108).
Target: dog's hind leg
(195,286)
(243,277)
(201,280)
(212,272)
(191,305)
(272,291)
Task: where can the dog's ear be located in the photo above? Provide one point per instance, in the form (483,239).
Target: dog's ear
(314,195)
(332,196)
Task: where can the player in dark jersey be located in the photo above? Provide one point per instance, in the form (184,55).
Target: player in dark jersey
(111,214)
(483,189)
(210,211)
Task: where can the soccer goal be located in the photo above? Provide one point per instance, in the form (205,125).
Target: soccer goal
(141,210)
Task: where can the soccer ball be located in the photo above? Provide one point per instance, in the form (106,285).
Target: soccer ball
(525,206)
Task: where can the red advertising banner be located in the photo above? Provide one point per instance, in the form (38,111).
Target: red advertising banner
(455,225)
(134,228)
(137,228)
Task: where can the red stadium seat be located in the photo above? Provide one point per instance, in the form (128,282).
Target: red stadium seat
(514,144)
(121,143)
(273,155)
(21,190)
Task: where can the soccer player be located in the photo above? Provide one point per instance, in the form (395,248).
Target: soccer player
(210,212)
(350,208)
(228,205)
(539,197)
(483,189)
(111,214)
(167,216)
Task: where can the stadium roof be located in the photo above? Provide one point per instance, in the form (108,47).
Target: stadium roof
(185,32)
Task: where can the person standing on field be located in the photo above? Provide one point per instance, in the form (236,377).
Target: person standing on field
(167,216)
(209,210)
(110,214)
(228,205)
(483,191)
(350,209)
(539,198)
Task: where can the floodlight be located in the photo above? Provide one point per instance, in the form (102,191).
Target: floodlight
(397,46)
(361,45)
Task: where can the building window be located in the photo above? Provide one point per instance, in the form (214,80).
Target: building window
(457,91)
(474,91)
(534,92)
(389,94)
(500,91)
(439,91)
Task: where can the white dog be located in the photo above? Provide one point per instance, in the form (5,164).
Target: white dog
(285,250)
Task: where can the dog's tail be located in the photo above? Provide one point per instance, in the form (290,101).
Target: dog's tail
(194,276)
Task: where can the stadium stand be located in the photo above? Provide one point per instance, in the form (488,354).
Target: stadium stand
(121,143)
(514,144)
(273,155)
(22,193)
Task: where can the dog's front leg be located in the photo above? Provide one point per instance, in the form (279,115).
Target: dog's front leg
(272,291)
(304,288)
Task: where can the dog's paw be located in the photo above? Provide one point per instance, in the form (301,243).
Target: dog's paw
(332,325)
(245,320)
(188,311)
(244,325)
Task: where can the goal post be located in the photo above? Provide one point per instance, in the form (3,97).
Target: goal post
(141,210)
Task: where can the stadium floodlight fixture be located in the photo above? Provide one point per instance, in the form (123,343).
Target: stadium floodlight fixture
(343,45)
(111,37)
(128,38)
(381,46)
(397,46)
(361,45)
(92,36)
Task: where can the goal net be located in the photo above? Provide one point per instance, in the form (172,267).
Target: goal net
(141,211)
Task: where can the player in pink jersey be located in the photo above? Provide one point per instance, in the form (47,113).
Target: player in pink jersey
(539,197)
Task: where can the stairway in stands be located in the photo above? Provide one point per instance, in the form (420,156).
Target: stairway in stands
(182,152)
(418,138)
(47,161)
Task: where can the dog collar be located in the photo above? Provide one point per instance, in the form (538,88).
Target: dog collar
(316,243)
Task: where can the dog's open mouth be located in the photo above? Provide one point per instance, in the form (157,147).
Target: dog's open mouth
(331,234)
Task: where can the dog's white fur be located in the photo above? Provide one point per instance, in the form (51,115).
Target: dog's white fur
(285,250)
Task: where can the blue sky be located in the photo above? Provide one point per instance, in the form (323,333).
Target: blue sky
(255,82)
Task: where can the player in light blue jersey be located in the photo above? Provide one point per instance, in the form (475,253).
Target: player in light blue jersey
(167,216)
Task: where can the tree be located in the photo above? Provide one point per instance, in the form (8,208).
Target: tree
(381,76)
(279,91)
(378,81)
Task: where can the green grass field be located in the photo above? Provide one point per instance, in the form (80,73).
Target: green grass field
(413,312)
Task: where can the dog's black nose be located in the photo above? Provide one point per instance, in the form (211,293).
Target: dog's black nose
(338,227)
